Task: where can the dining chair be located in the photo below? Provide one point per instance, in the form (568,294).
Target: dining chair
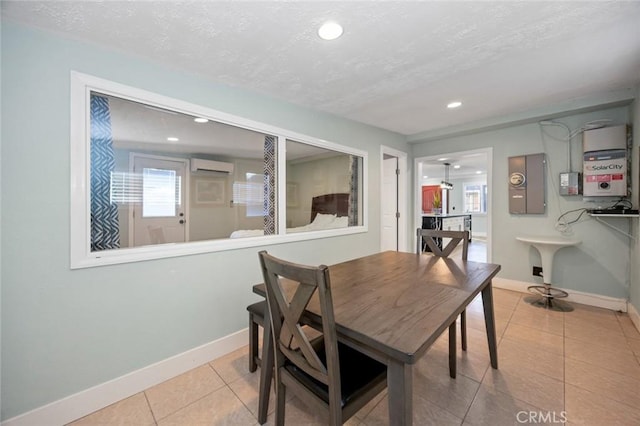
(324,373)
(434,240)
(256,318)
(257,313)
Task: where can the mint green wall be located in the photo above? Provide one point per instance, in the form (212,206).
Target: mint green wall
(601,264)
(64,331)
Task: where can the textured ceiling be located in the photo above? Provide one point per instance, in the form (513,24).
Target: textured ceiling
(397,64)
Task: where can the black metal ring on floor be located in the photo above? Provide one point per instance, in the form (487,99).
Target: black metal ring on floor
(547,291)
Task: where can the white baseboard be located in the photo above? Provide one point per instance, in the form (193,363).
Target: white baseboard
(635,316)
(590,299)
(87,401)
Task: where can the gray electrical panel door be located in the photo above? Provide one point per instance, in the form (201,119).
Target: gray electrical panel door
(527,184)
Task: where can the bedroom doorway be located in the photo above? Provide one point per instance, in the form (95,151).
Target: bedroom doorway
(393,200)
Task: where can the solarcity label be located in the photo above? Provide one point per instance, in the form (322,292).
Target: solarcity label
(603,167)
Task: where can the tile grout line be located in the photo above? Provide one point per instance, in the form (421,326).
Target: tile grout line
(153,415)
(228,385)
(590,390)
(245,405)
(464,418)
(195,400)
(509,323)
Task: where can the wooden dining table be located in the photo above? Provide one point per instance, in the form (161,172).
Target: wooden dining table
(393,306)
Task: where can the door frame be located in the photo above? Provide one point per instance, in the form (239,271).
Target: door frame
(403,204)
(187,189)
(417,207)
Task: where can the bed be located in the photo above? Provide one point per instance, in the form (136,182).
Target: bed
(328,211)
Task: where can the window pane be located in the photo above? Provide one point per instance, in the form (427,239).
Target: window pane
(251,194)
(324,188)
(160,193)
(475,198)
(225,187)
(125,188)
(159,176)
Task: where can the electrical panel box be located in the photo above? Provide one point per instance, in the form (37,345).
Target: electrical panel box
(527,184)
(605,162)
(570,183)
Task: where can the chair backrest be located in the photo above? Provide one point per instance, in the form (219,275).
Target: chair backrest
(287,307)
(434,240)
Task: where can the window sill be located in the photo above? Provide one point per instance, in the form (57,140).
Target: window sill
(141,254)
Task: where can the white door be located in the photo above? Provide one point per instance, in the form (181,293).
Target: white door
(159,214)
(389,237)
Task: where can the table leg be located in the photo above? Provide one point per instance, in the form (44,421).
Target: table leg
(490,323)
(452,350)
(266,371)
(400,393)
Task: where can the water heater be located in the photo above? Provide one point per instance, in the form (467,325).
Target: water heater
(605,162)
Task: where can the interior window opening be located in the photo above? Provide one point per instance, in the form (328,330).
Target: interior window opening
(156,177)
(324,188)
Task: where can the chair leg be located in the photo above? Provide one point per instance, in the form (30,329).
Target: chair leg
(266,373)
(280,403)
(253,343)
(463,329)
(452,350)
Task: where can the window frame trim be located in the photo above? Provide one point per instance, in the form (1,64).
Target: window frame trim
(81,255)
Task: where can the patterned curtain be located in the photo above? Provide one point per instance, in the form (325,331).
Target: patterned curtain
(105,232)
(354,189)
(269,185)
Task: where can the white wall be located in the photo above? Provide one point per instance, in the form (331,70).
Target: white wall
(64,331)
(601,264)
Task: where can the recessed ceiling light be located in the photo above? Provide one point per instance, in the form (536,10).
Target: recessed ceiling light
(454,104)
(172,139)
(442,159)
(330,30)
(425,177)
(457,166)
(479,172)
(200,120)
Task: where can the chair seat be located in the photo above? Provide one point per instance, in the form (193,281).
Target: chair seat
(257,313)
(258,309)
(359,374)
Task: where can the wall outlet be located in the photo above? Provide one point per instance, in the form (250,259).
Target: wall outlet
(537,271)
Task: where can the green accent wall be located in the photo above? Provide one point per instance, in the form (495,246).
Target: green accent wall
(601,265)
(65,331)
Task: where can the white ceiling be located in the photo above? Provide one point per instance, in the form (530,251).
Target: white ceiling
(396,66)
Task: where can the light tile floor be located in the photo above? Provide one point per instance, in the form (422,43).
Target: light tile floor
(582,366)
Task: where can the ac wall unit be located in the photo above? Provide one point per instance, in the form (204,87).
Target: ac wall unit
(198,164)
